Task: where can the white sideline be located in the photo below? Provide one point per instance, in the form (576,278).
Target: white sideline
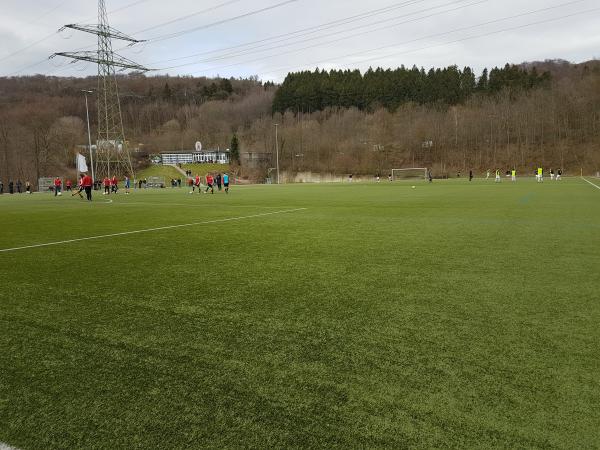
(588,181)
(147,230)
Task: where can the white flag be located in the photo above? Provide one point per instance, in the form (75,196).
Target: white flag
(81,163)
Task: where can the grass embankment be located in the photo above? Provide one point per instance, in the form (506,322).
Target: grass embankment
(166,172)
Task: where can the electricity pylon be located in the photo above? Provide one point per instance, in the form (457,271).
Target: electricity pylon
(112,153)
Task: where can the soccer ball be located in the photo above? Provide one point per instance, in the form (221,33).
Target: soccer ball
(59,194)
(414,187)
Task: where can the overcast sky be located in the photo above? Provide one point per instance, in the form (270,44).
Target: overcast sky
(269,38)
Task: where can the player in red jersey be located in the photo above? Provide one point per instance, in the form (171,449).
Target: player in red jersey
(209,184)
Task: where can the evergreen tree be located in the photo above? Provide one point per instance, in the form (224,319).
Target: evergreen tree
(234,149)
(166,93)
(483,82)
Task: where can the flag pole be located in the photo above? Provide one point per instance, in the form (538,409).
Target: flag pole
(87,112)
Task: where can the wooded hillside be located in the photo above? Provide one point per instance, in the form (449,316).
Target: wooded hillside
(329,121)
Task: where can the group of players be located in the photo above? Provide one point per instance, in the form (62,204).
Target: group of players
(111,185)
(539,175)
(220,181)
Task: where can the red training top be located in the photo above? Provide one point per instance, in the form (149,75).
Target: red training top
(68,183)
(57,182)
(209,179)
(114,181)
(87,181)
(106,181)
(197,180)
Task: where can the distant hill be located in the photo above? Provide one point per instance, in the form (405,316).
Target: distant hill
(335,122)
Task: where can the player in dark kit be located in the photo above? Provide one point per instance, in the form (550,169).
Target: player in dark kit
(80,186)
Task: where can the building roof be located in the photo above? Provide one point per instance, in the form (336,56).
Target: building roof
(192,152)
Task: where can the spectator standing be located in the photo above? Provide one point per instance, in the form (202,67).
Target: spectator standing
(11,187)
(19,185)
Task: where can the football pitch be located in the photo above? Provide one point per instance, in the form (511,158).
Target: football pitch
(454,314)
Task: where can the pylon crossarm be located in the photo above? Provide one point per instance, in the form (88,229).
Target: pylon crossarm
(105,31)
(92,56)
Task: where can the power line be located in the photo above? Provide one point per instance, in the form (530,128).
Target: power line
(179,19)
(406,42)
(305,31)
(33,44)
(219,22)
(27,47)
(478,36)
(50,11)
(468,38)
(370,31)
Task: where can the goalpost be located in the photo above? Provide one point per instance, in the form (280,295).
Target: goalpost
(412,173)
(46,184)
(272,175)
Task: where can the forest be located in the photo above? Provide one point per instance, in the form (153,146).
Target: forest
(543,113)
(318,90)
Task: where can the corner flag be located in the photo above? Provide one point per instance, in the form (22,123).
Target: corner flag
(81,163)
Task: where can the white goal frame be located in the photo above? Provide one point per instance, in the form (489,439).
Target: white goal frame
(410,173)
(46,184)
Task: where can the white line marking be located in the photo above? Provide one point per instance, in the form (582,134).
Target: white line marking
(587,181)
(147,230)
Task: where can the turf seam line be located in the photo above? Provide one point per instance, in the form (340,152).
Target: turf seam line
(147,230)
(588,181)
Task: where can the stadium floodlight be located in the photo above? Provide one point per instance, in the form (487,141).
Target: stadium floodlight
(410,173)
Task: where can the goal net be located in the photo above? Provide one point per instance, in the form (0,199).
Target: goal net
(272,175)
(155,182)
(46,184)
(413,173)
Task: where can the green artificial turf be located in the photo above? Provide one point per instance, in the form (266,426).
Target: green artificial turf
(455,314)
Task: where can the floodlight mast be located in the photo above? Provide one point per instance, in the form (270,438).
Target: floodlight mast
(112,154)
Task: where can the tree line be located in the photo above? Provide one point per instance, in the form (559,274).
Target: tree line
(317,90)
(554,121)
